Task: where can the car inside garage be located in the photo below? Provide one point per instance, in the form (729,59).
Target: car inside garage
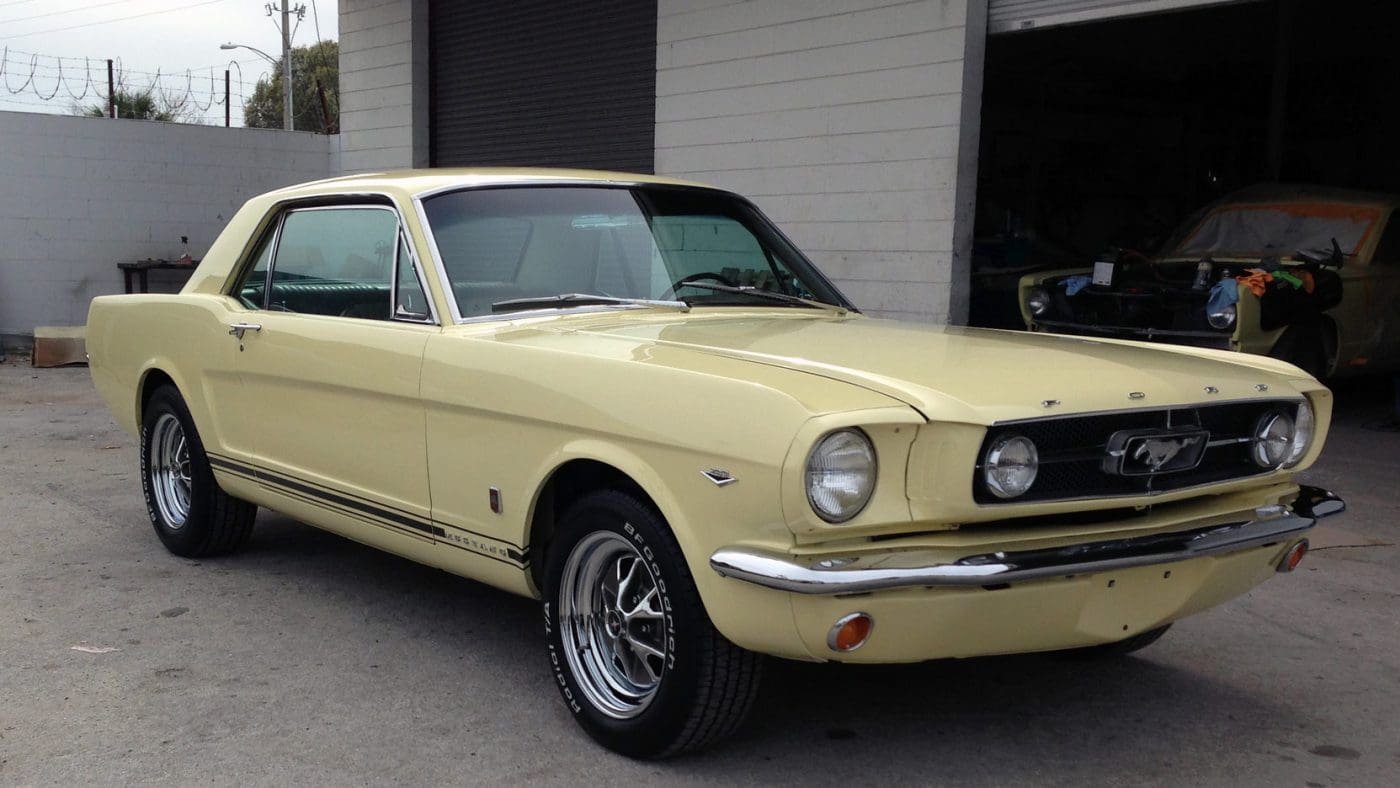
(1105,125)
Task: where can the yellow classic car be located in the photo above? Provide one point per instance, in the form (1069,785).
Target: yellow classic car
(634,399)
(1307,274)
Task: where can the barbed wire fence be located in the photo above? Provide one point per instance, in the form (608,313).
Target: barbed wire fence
(54,84)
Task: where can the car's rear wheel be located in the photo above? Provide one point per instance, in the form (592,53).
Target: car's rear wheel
(192,516)
(634,654)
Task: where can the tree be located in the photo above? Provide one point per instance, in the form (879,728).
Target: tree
(313,64)
(144,104)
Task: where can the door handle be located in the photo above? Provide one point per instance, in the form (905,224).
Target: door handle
(237,329)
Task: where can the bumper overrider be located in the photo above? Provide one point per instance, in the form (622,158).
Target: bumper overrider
(913,569)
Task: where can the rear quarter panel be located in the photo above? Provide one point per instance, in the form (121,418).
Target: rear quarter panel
(183,336)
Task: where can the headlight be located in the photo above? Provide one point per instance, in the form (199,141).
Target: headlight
(1221,318)
(1038,300)
(1302,435)
(1273,440)
(841,475)
(1010,466)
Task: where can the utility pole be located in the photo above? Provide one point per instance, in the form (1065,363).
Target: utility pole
(286,65)
(287,10)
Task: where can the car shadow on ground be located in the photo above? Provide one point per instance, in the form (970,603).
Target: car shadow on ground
(1012,716)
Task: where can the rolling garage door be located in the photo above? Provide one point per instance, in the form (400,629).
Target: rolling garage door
(1009,16)
(562,83)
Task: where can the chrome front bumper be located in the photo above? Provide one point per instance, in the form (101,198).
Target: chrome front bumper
(912,569)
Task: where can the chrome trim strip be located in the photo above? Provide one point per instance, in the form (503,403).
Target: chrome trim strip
(1110,332)
(1152,408)
(864,574)
(283,210)
(525,181)
(406,241)
(448,293)
(271,261)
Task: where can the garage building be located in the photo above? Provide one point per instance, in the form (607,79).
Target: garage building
(893,139)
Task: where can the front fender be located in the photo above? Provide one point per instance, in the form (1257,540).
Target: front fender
(704,517)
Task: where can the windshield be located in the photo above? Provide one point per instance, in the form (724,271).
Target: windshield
(1269,230)
(520,244)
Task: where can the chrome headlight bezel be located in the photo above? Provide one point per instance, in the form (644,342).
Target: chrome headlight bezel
(824,480)
(999,463)
(1304,427)
(1038,301)
(1223,318)
(1273,437)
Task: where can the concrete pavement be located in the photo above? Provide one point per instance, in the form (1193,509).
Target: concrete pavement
(311,659)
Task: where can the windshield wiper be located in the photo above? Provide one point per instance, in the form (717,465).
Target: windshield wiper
(767,294)
(579,299)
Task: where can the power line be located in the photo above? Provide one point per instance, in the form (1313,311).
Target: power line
(111,21)
(61,12)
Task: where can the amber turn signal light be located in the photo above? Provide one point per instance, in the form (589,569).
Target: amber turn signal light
(1293,557)
(850,632)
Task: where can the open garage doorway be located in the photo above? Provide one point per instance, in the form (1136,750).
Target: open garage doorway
(1108,134)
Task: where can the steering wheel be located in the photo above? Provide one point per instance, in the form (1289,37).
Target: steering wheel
(696,277)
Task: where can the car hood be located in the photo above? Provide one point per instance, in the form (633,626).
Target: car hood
(965,374)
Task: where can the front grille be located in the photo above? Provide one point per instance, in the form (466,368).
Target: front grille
(1073,450)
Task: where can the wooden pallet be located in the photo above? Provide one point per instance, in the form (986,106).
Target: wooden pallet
(57,346)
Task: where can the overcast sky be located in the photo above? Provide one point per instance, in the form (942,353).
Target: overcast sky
(146,36)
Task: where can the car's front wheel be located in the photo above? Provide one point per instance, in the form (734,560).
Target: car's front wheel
(192,516)
(633,652)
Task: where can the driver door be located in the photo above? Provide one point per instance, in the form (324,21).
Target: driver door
(330,360)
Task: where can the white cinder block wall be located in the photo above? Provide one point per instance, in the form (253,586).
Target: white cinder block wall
(78,195)
(383,84)
(852,123)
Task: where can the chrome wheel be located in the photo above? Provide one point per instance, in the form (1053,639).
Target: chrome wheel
(611,624)
(170,471)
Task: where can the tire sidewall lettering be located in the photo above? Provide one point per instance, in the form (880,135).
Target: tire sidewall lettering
(574,700)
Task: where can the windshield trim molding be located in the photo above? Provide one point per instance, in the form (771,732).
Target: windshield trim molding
(449,294)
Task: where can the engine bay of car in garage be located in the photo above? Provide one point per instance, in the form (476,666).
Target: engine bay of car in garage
(1108,141)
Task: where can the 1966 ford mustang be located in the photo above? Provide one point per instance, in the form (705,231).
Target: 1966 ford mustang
(634,398)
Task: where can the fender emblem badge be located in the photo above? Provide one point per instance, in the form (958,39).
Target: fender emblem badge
(1261,387)
(1136,395)
(721,478)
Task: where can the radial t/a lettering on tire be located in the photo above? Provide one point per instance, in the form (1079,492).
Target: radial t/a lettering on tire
(192,516)
(634,654)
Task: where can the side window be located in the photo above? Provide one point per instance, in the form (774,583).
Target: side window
(251,288)
(335,261)
(411,303)
(1388,248)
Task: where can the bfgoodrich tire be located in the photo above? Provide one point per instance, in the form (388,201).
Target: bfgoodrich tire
(633,653)
(191,515)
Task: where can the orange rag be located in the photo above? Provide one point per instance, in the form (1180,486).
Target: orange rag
(1308,283)
(1257,281)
